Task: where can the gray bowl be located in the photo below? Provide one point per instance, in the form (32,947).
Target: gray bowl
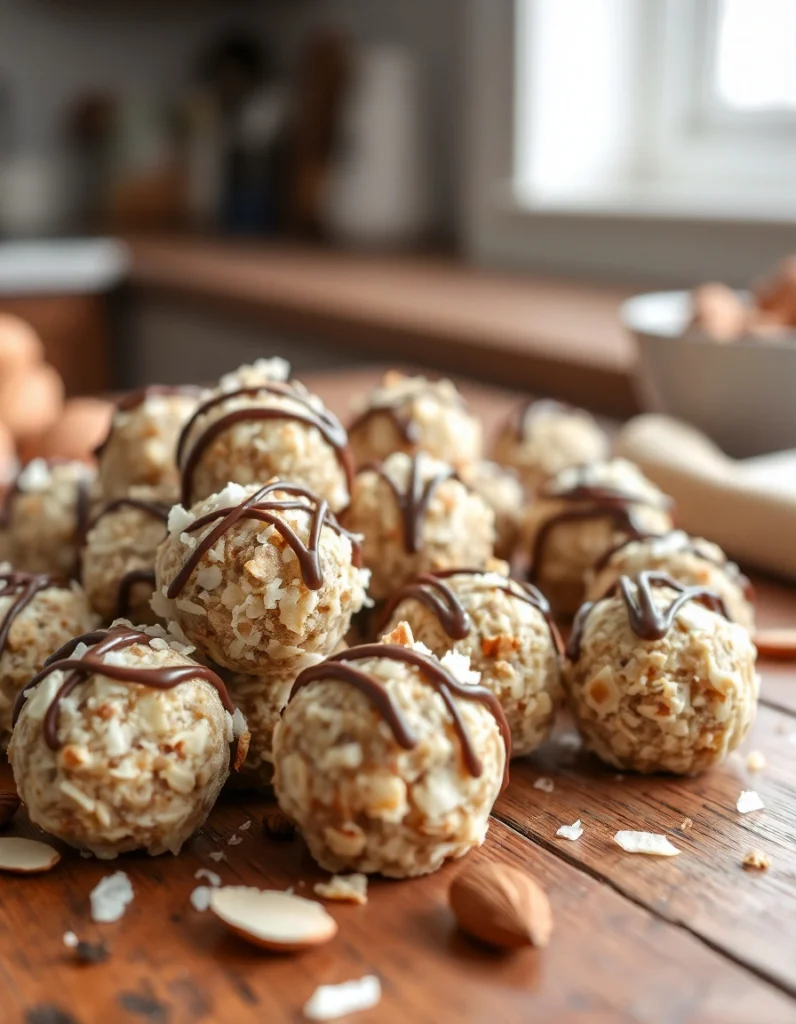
(742,394)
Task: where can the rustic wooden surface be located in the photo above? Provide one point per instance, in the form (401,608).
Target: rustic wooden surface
(693,938)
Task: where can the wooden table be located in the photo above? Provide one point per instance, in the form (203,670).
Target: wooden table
(692,938)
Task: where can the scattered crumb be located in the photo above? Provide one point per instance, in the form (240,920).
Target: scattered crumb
(277,826)
(330,1001)
(650,843)
(686,824)
(749,801)
(245,826)
(217,855)
(200,897)
(71,940)
(755,761)
(92,952)
(573,831)
(756,860)
(110,898)
(86,854)
(346,888)
(234,840)
(211,876)
(546,785)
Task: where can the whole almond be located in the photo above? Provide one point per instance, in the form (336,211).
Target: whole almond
(501,906)
(9,805)
(777,644)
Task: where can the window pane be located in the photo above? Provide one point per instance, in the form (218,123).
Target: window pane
(755,65)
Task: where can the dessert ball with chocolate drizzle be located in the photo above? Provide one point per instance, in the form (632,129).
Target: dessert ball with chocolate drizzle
(543,437)
(389,760)
(139,450)
(118,564)
(122,742)
(580,515)
(658,678)
(259,574)
(501,489)
(38,613)
(412,414)
(416,515)
(45,516)
(506,630)
(256,426)
(690,560)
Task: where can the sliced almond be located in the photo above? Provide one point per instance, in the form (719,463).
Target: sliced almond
(777,644)
(272,919)
(26,856)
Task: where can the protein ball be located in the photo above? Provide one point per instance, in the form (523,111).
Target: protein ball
(412,414)
(132,753)
(140,449)
(256,426)
(118,564)
(580,515)
(544,437)
(690,560)
(45,517)
(505,630)
(259,574)
(658,679)
(373,768)
(502,491)
(38,614)
(415,515)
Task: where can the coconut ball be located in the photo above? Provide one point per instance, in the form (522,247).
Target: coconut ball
(676,695)
(45,517)
(504,628)
(501,489)
(544,437)
(370,764)
(129,761)
(118,564)
(255,426)
(580,515)
(411,414)
(139,450)
(38,614)
(415,515)
(690,560)
(251,578)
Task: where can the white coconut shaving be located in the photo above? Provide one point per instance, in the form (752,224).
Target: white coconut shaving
(459,667)
(345,888)
(210,876)
(749,801)
(245,826)
(650,843)
(234,840)
(546,785)
(110,898)
(330,1001)
(200,898)
(217,855)
(71,940)
(573,831)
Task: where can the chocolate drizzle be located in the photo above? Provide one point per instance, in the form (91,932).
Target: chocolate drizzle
(647,620)
(413,503)
(328,426)
(102,642)
(125,592)
(22,587)
(399,411)
(133,399)
(337,667)
(267,511)
(155,509)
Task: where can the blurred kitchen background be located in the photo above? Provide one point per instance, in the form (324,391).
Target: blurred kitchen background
(474,185)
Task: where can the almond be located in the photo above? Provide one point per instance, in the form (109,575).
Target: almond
(9,805)
(777,644)
(272,919)
(26,856)
(501,906)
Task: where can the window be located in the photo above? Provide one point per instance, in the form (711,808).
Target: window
(675,113)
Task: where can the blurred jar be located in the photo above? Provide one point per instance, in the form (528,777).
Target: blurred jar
(35,195)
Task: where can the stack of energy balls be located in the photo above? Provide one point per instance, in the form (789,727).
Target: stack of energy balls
(365,620)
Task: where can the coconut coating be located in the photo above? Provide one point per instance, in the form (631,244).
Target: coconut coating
(47,512)
(457,528)
(411,414)
(571,548)
(51,618)
(690,560)
(679,704)
(122,540)
(502,491)
(140,448)
(253,451)
(246,604)
(362,801)
(549,437)
(136,768)
(509,643)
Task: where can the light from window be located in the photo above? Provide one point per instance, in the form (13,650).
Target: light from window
(755,66)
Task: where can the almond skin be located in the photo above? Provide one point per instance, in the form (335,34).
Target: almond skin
(777,644)
(501,906)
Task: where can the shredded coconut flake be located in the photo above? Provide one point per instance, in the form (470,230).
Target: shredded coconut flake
(245,826)
(749,801)
(346,888)
(459,667)
(110,897)
(546,785)
(573,831)
(330,1001)
(216,855)
(234,840)
(755,760)
(651,843)
(211,876)
(200,898)
(70,940)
